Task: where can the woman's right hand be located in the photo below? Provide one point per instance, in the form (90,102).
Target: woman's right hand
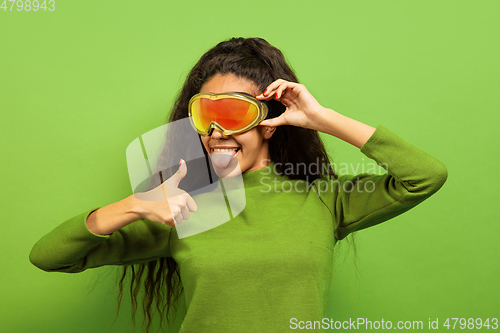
(176,203)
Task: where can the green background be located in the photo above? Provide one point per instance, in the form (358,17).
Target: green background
(80,83)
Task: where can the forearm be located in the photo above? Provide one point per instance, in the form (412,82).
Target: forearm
(352,131)
(412,176)
(113,217)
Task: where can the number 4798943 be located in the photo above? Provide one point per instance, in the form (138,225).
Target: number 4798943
(29,5)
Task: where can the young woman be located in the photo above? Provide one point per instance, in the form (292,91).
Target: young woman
(270,266)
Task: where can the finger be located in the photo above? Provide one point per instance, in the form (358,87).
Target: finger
(273,122)
(177,177)
(293,87)
(270,88)
(172,223)
(191,204)
(286,100)
(184,213)
(266,122)
(177,216)
(270,94)
(281,90)
(277,91)
(266,98)
(177,221)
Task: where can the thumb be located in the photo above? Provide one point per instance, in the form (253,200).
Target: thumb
(273,122)
(177,177)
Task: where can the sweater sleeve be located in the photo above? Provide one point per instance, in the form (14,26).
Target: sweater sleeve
(71,247)
(361,201)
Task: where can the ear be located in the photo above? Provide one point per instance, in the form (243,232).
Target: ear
(268,132)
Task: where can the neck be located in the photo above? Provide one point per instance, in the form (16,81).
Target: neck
(264,158)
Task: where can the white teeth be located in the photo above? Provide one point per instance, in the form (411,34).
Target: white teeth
(224,150)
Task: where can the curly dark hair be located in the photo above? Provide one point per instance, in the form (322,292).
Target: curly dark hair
(260,62)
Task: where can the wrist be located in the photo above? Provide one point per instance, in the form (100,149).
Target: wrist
(343,127)
(324,120)
(133,207)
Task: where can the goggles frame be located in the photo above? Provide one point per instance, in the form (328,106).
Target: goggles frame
(262,111)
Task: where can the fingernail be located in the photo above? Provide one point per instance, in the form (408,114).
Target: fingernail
(264,92)
(180,162)
(276,95)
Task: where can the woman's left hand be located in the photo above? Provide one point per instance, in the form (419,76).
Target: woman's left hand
(302,109)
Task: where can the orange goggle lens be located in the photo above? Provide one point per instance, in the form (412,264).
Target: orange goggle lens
(230,113)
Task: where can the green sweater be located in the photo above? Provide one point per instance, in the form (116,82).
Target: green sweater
(271,262)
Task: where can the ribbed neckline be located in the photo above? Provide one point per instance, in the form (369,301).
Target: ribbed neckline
(253,178)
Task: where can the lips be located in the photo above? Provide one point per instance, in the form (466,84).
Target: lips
(223,147)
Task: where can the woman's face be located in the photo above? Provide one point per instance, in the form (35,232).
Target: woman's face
(253,153)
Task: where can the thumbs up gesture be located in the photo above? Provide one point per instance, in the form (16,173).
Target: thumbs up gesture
(176,203)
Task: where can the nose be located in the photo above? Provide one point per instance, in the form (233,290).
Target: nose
(216,134)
